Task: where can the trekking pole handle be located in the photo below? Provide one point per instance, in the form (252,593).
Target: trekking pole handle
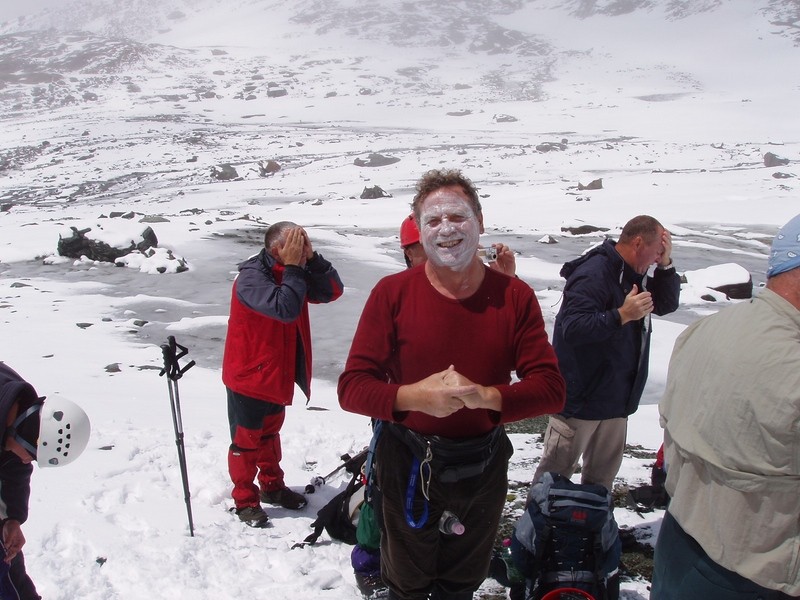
(172,368)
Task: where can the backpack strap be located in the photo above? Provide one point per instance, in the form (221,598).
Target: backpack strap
(547,536)
(328,513)
(599,575)
(369,475)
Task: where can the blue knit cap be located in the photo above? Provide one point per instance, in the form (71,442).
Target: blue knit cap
(785,254)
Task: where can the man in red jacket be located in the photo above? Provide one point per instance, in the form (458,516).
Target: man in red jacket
(432,358)
(267,351)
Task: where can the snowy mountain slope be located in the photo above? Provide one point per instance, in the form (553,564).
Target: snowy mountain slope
(316,84)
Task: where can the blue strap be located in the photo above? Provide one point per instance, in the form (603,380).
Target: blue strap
(410,493)
(373,443)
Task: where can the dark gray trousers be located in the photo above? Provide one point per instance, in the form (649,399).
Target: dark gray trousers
(421,563)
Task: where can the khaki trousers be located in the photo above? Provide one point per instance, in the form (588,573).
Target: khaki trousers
(601,443)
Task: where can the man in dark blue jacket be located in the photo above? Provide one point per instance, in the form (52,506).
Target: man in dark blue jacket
(602,339)
(30,429)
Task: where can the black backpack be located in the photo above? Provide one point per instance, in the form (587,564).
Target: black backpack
(568,538)
(334,517)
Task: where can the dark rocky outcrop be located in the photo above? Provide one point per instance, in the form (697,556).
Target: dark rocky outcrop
(78,245)
(735,283)
(224,172)
(582,229)
(376,160)
(370,193)
(597,184)
(268,167)
(737,291)
(773,160)
(551,146)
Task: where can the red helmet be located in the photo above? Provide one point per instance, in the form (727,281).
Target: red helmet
(409,234)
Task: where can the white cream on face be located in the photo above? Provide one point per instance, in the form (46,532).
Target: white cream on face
(449,229)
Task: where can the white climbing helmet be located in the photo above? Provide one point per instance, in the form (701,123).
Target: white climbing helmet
(63,434)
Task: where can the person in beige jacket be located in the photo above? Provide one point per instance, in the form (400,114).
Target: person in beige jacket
(731,419)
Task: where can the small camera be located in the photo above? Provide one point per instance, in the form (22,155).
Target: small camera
(488,254)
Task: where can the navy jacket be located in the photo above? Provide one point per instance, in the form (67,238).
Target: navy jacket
(604,363)
(15,476)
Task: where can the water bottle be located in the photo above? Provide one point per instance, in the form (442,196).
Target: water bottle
(450,525)
(513,573)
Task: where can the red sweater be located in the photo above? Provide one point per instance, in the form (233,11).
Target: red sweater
(409,331)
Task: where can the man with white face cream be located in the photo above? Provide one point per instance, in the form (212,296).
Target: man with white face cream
(432,358)
(499,256)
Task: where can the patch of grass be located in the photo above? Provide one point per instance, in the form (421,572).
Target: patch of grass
(639,452)
(534,425)
(637,564)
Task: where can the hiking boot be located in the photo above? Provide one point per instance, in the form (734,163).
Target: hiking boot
(254,516)
(284,497)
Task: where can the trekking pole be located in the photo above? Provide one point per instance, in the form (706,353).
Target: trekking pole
(319,481)
(173,371)
(348,464)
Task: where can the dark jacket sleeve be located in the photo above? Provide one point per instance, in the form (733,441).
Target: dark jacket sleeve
(324,283)
(257,289)
(15,487)
(590,312)
(665,286)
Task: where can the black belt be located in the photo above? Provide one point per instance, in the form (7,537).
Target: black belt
(451,460)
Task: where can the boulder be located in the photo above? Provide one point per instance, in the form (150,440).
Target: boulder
(773,160)
(224,172)
(376,160)
(730,279)
(79,244)
(737,291)
(551,146)
(154,260)
(597,184)
(582,229)
(373,192)
(268,167)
